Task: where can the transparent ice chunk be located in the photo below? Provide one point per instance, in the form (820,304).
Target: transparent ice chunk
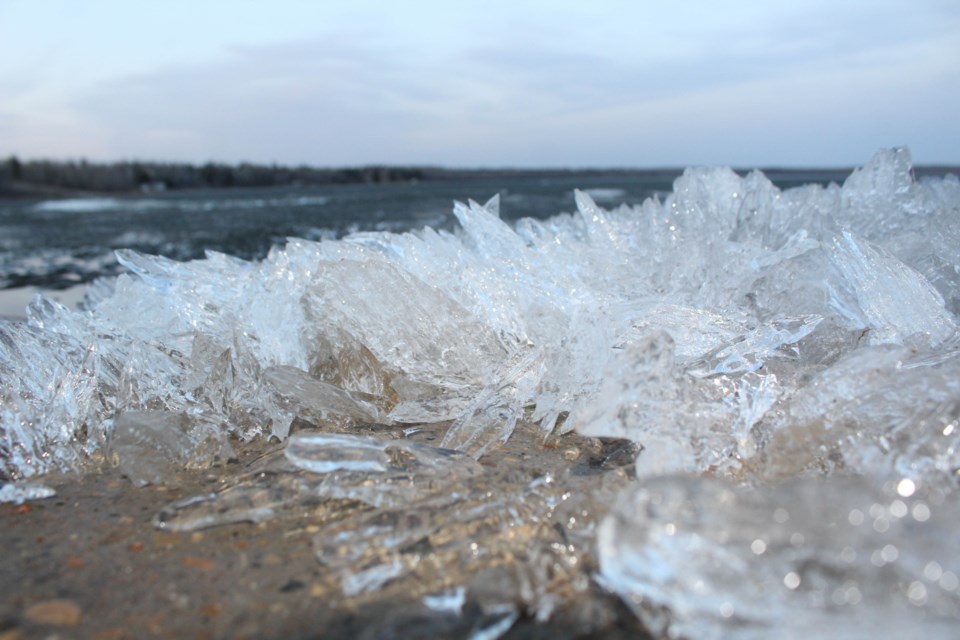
(150,446)
(878,411)
(371,579)
(493,415)
(318,401)
(451,601)
(696,557)
(646,398)
(695,332)
(328,452)
(895,301)
(475,528)
(749,351)
(499,623)
(23,491)
(273,490)
(418,331)
(314,468)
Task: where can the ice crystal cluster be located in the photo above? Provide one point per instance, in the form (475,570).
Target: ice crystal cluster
(785,362)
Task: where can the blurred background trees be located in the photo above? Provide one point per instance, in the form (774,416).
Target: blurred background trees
(24,176)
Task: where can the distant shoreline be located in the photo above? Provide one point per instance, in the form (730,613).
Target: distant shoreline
(70,179)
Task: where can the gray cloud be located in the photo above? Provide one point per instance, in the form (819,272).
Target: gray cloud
(528,97)
(299,99)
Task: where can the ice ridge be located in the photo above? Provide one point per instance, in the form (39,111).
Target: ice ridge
(759,346)
(421,327)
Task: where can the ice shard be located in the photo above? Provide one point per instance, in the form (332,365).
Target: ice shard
(895,302)
(493,415)
(150,446)
(313,468)
(20,492)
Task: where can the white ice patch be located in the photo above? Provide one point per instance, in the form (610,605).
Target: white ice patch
(20,492)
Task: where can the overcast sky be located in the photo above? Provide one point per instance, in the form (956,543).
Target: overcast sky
(598,83)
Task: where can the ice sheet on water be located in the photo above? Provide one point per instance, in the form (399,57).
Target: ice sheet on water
(732,330)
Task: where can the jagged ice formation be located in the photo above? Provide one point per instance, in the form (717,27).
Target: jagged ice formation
(754,342)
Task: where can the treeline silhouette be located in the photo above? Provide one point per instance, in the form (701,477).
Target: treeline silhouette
(68,177)
(24,176)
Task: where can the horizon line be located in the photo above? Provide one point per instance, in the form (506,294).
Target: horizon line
(454,168)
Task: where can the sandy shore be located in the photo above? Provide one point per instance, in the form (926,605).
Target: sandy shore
(89,563)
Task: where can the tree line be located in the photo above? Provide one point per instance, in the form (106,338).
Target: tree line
(81,175)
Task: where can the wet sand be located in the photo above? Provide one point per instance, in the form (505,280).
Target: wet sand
(89,563)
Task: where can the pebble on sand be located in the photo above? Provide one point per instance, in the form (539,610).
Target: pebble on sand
(62,613)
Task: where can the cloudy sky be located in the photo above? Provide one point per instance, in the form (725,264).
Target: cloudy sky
(599,83)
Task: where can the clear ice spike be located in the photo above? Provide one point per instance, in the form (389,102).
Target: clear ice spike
(493,415)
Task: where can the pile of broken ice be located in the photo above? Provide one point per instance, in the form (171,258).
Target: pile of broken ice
(788,361)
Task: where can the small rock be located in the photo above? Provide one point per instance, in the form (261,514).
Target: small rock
(292,585)
(195,562)
(63,613)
